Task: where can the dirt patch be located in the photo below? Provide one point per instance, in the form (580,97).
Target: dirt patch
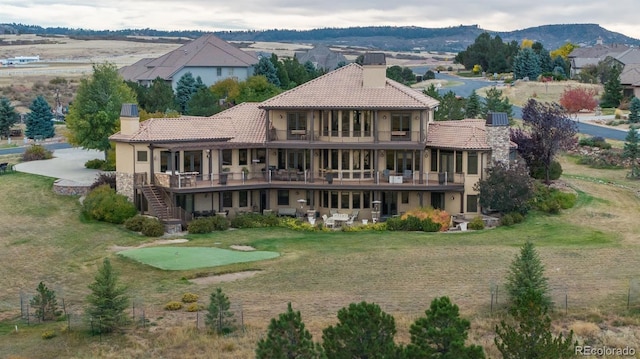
(242,248)
(154,243)
(229,277)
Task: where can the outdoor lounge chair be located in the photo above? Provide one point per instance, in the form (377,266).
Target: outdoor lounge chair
(328,222)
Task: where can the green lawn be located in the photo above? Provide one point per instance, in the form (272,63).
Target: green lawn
(183,258)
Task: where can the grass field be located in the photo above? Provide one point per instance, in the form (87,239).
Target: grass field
(183,258)
(590,252)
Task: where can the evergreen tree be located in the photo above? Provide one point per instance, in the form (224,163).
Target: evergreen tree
(39,124)
(159,97)
(612,94)
(267,69)
(95,112)
(363,331)
(283,76)
(185,88)
(451,107)
(219,316)
(526,64)
(495,103)
(45,303)
(296,72)
(203,103)
(442,334)
(473,107)
(526,276)
(432,92)
(632,151)
(107,301)
(8,117)
(634,110)
(312,72)
(287,338)
(528,333)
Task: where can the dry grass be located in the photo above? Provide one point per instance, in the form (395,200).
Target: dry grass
(519,93)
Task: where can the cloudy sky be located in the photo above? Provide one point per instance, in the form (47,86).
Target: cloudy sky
(207,15)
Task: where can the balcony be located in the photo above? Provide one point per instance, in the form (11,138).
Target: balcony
(193,182)
(342,136)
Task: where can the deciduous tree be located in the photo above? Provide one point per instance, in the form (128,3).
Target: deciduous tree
(287,338)
(107,301)
(550,130)
(255,89)
(219,317)
(203,103)
(442,334)
(39,124)
(94,114)
(577,99)
(363,331)
(8,116)
(506,188)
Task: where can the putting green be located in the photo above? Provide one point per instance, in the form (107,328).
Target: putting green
(181,258)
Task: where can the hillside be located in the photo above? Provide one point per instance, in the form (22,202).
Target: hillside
(452,39)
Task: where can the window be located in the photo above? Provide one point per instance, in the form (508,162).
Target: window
(142,156)
(459,162)
(334,123)
(219,71)
(325,123)
(355,200)
(345,200)
(366,200)
(296,125)
(243,200)
(325,199)
(434,160)
(283,197)
(334,199)
(357,123)
(242,157)
(227,157)
(261,155)
(400,126)
(227,199)
(405,197)
(472,203)
(472,165)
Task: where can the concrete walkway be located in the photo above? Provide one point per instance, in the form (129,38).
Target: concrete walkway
(66,164)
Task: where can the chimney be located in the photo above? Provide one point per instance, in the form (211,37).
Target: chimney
(129,119)
(497,127)
(374,70)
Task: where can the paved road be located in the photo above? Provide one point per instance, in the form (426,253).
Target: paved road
(66,164)
(466,86)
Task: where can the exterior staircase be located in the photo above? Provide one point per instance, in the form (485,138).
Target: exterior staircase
(157,205)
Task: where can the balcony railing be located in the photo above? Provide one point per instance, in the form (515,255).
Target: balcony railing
(296,177)
(342,136)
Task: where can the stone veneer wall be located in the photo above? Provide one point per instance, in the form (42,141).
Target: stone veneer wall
(125,185)
(498,140)
(70,188)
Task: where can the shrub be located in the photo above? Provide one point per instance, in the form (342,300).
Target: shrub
(551,200)
(189,298)
(506,220)
(104,204)
(395,224)
(105,178)
(135,223)
(219,223)
(208,225)
(194,307)
(538,171)
(595,142)
(173,305)
(476,223)
(255,220)
(435,215)
(152,227)
(36,153)
(49,334)
(94,164)
(427,225)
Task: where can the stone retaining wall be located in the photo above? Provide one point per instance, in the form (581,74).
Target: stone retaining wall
(70,188)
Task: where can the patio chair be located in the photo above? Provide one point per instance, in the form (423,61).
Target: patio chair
(355,213)
(407,174)
(328,222)
(349,222)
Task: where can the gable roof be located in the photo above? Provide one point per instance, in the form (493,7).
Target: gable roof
(244,123)
(205,51)
(321,57)
(343,88)
(630,75)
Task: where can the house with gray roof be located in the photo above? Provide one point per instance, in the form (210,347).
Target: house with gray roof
(322,57)
(208,56)
(350,141)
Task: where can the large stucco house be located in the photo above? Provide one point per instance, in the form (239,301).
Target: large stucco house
(208,56)
(351,140)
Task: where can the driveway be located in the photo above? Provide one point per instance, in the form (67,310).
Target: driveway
(66,164)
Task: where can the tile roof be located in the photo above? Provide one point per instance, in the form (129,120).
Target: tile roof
(244,123)
(343,88)
(467,134)
(208,51)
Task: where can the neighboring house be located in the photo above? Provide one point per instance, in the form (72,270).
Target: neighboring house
(351,140)
(208,56)
(322,58)
(630,80)
(582,57)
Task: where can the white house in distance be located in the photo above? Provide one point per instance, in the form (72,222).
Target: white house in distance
(208,56)
(19,60)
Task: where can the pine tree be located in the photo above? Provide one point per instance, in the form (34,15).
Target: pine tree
(8,116)
(363,331)
(287,338)
(159,97)
(495,103)
(45,303)
(612,94)
(219,316)
(267,69)
(526,275)
(634,110)
(526,64)
(203,103)
(39,124)
(107,301)
(185,88)
(442,334)
(631,151)
(472,109)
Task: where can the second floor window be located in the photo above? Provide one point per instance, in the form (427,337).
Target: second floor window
(472,165)
(400,126)
(226,157)
(296,125)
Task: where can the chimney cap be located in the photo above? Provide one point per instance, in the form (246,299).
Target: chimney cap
(129,110)
(497,119)
(374,58)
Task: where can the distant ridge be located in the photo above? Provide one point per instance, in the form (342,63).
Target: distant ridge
(399,38)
